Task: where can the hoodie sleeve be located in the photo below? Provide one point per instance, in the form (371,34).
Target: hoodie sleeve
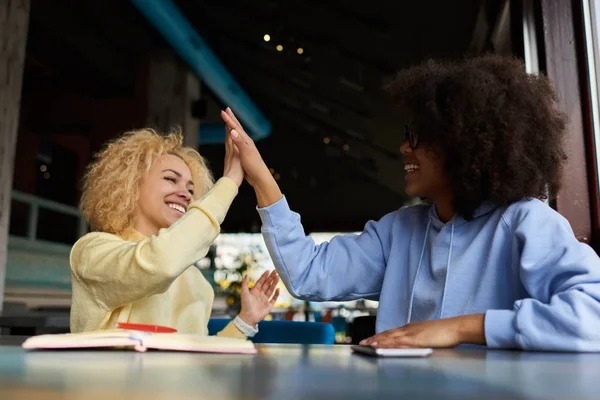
(348,267)
(562,276)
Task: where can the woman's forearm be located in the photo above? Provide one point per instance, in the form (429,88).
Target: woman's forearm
(267,192)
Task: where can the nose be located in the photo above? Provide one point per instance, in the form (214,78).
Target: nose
(185,195)
(405,148)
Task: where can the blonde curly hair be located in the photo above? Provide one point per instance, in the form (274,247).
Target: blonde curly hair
(111,183)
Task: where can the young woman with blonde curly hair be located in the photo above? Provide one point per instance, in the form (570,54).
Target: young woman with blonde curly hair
(154,212)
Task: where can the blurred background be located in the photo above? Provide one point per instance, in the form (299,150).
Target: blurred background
(304,77)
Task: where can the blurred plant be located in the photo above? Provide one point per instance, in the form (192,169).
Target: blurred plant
(229,279)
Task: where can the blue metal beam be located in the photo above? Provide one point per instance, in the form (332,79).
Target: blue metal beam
(212,134)
(177,30)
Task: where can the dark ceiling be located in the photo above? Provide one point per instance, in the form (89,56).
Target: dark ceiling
(335,135)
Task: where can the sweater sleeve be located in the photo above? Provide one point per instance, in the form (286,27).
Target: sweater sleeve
(119,272)
(231,331)
(562,277)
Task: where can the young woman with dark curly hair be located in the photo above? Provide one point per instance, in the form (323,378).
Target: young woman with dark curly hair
(486,262)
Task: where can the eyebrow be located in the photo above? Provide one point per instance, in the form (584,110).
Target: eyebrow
(178,174)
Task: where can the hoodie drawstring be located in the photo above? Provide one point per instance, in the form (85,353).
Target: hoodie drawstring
(412,292)
(447,271)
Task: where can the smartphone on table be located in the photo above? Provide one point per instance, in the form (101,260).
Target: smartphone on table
(375,352)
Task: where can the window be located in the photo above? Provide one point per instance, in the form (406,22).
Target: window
(591,14)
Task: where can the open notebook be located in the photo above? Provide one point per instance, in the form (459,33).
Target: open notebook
(141,341)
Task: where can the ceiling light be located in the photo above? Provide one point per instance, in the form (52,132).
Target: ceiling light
(300,50)
(326,140)
(267,37)
(279,47)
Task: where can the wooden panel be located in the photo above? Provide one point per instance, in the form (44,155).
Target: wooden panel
(14,20)
(170,91)
(190,125)
(573,200)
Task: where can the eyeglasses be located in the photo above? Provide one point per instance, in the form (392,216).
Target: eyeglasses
(410,137)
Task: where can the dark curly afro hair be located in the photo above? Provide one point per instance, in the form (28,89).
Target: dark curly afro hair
(497,129)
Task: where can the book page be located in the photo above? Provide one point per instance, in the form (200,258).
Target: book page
(141,341)
(199,343)
(104,338)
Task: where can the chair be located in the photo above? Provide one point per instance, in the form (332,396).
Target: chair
(284,331)
(362,328)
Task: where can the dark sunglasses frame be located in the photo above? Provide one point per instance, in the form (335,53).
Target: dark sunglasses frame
(411,137)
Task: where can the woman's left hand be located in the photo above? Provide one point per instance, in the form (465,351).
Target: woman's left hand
(232,167)
(447,332)
(258,301)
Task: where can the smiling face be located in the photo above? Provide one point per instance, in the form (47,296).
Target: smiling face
(165,192)
(425,176)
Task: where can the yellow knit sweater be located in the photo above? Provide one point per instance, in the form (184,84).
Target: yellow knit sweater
(150,280)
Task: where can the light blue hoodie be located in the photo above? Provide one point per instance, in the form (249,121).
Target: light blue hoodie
(520,265)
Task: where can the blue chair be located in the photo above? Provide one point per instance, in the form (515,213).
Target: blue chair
(284,331)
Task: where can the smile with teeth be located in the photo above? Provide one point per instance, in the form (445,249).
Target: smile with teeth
(411,167)
(177,207)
